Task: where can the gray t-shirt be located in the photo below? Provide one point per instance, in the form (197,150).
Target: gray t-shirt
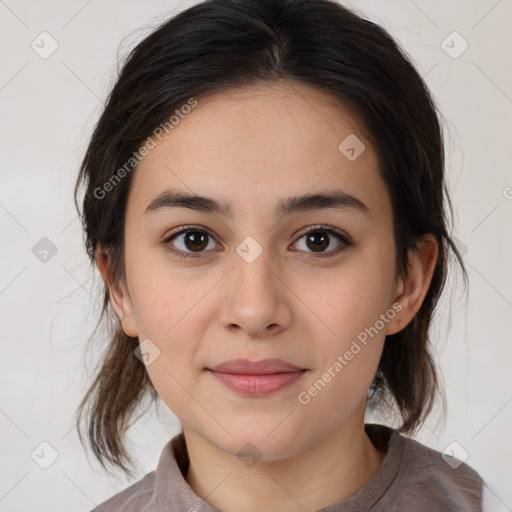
(412,478)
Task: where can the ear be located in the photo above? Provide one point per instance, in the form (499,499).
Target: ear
(411,291)
(119,296)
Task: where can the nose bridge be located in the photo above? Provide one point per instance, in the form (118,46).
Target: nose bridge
(253,276)
(254,296)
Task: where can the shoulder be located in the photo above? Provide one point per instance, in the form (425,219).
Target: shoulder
(160,489)
(132,499)
(431,477)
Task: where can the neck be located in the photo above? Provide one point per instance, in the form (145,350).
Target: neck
(327,472)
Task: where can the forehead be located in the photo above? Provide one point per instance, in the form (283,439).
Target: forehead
(256,145)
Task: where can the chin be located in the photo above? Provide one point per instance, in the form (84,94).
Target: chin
(255,443)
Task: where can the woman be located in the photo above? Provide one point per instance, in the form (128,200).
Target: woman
(265,200)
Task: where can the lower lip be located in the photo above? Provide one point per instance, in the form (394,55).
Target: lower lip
(257,384)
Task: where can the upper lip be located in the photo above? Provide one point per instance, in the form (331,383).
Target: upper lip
(262,367)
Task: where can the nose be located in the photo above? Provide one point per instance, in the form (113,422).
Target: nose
(256,299)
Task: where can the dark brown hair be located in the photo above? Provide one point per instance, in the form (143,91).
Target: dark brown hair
(221,44)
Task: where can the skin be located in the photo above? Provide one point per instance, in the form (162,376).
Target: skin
(253,147)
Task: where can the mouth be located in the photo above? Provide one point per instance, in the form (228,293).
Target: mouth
(256,377)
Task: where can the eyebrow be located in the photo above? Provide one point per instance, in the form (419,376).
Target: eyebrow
(295,204)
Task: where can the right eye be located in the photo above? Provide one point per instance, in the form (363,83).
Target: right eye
(190,241)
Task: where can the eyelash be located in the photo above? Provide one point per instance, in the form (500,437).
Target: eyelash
(346,242)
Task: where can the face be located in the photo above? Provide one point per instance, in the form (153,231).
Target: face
(302,285)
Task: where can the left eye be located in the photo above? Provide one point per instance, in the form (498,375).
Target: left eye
(319,239)
(194,241)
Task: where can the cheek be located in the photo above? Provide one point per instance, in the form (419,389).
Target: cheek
(166,312)
(166,308)
(350,300)
(352,313)
(166,297)
(351,350)
(350,353)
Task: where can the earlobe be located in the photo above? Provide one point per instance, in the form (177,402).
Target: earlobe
(412,290)
(119,297)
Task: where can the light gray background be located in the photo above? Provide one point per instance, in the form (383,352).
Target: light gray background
(48,309)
